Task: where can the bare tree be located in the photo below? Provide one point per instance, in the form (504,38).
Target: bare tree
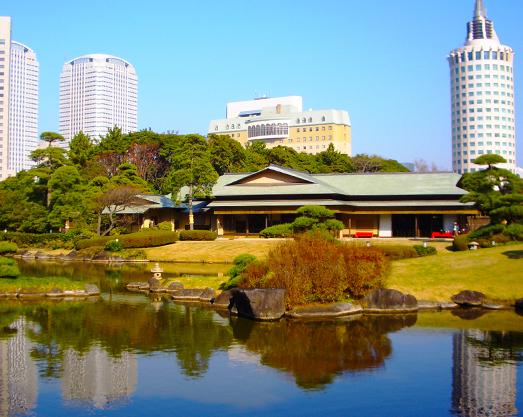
(421,165)
(115,200)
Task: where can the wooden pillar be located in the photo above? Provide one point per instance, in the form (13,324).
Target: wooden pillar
(266,221)
(350,226)
(416,231)
(247,225)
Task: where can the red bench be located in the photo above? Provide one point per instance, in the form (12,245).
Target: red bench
(438,234)
(364,234)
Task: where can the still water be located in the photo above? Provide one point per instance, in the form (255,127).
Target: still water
(129,353)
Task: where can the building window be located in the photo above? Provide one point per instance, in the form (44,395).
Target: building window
(323,118)
(310,119)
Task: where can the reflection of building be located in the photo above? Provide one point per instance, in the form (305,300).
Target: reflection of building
(481,388)
(482,89)
(97,92)
(98,378)
(18,103)
(18,374)
(282,121)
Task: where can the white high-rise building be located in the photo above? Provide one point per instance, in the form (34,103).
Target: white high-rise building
(18,103)
(97,92)
(482,89)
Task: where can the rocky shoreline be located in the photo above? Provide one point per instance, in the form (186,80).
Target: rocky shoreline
(103,257)
(268,304)
(31,293)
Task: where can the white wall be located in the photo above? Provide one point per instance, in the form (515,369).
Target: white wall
(385,225)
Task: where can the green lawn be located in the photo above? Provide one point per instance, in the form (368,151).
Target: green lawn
(497,272)
(43,284)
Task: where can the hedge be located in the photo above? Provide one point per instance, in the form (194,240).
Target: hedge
(425,251)
(278,230)
(133,240)
(198,235)
(52,240)
(395,252)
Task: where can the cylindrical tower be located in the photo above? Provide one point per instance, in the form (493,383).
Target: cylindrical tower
(482,90)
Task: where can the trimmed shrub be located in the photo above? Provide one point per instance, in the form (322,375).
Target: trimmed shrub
(514,231)
(133,240)
(425,251)
(91,251)
(499,238)
(486,232)
(167,226)
(461,243)
(114,246)
(117,231)
(395,252)
(134,254)
(198,235)
(240,262)
(8,268)
(8,247)
(278,230)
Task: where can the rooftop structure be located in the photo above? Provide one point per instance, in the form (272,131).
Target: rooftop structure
(482,91)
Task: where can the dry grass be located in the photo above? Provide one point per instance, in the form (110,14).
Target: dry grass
(494,271)
(221,250)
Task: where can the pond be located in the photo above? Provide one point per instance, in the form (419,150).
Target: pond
(129,353)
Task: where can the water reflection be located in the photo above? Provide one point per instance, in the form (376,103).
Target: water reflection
(315,352)
(484,372)
(91,351)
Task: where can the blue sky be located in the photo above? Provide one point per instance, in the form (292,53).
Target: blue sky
(382,61)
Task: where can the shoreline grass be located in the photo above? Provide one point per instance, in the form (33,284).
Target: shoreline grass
(42,284)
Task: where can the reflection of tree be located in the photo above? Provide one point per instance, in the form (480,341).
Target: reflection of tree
(191,332)
(314,352)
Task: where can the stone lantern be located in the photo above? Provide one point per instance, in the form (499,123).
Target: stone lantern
(473,245)
(157,271)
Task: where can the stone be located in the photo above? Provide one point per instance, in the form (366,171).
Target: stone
(134,285)
(333,310)
(60,256)
(207,295)
(153,283)
(187,295)
(80,293)
(435,305)
(55,293)
(102,256)
(259,303)
(174,287)
(72,256)
(223,300)
(384,300)
(92,289)
(68,293)
(118,258)
(519,303)
(30,294)
(28,255)
(11,294)
(469,298)
(144,287)
(492,306)
(158,289)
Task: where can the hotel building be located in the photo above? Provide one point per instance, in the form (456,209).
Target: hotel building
(282,121)
(18,103)
(482,90)
(97,92)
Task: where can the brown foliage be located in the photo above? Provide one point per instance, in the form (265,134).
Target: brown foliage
(253,275)
(314,268)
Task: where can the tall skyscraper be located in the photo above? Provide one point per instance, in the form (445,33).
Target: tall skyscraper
(482,89)
(97,92)
(18,103)
(5,71)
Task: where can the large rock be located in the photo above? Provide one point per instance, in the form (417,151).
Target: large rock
(259,303)
(435,305)
(519,303)
(55,293)
(469,298)
(207,295)
(333,310)
(154,283)
(188,294)
(174,287)
(30,294)
(223,300)
(92,289)
(384,300)
(134,285)
(73,256)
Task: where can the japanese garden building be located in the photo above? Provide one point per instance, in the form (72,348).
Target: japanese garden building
(384,204)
